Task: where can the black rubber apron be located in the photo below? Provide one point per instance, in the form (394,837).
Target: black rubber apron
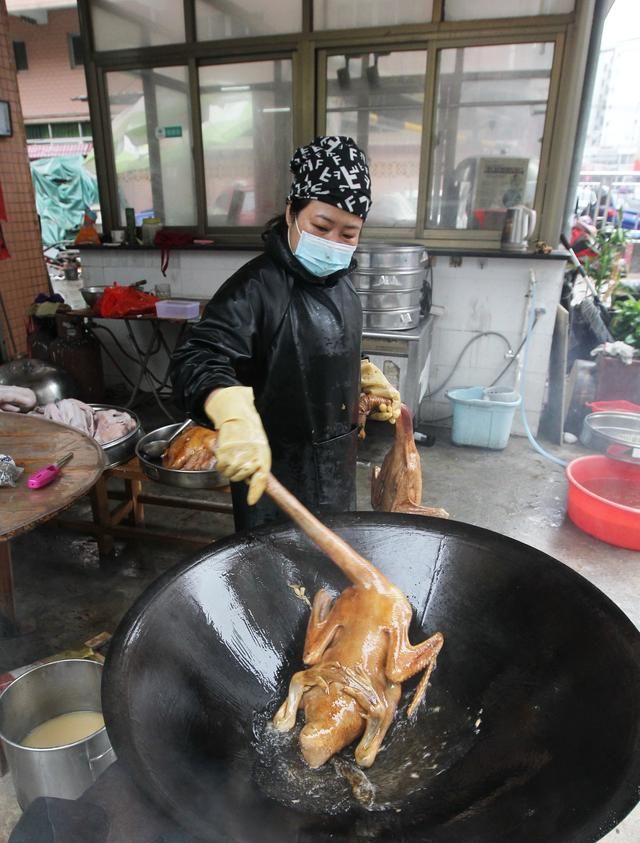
(309,406)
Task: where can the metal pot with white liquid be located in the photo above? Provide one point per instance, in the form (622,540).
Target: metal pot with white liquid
(52,730)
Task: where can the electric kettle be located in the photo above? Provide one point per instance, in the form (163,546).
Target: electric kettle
(519,223)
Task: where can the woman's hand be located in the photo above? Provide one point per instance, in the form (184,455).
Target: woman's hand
(374,383)
(242,448)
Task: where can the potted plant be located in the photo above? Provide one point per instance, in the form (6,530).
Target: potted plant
(605,269)
(617,379)
(625,324)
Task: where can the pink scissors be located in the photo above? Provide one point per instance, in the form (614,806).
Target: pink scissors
(48,474)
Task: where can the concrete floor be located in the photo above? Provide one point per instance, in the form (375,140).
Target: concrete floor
(515,492)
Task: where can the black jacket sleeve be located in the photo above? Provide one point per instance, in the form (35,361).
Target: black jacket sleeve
(227,346)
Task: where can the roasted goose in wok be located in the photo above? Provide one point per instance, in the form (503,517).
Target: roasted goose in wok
(357,652)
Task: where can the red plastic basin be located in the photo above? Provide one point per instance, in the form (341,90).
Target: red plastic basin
(614,407)
(604,499)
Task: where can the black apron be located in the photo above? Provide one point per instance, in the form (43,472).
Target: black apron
(310,403)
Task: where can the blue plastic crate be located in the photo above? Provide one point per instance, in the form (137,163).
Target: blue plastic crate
(481,420)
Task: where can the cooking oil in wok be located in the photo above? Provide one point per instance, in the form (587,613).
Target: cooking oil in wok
(414,752)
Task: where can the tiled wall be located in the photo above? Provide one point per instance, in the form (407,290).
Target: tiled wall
(23,275)
(477,296)
(50,87)
(189,274)
(492,295)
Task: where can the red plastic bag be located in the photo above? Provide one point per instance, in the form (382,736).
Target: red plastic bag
(125,301)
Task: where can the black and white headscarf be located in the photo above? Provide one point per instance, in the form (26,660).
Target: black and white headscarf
(334,170)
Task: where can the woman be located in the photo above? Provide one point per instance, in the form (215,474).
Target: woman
(275,363)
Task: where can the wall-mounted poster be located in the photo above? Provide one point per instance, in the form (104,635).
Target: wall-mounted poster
(500,182)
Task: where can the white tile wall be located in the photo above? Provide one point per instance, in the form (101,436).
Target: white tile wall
(491,295)
(480,295)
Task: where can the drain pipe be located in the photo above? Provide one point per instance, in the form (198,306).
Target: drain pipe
(532,318)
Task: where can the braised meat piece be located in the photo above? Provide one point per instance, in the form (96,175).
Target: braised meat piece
(397,486)
(192,450)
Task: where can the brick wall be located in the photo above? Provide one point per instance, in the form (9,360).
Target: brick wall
(48,86)
(23,274)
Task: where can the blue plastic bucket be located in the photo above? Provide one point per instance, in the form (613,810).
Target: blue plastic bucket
(480,419)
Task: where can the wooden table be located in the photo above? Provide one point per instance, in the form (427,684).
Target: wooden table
(34,443)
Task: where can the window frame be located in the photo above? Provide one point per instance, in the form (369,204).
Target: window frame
(308,51)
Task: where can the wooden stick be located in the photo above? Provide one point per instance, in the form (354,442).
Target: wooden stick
(358,569)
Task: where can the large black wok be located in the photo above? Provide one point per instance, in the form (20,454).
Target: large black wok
(528,734)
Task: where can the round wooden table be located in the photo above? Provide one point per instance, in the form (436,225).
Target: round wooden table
(33,443)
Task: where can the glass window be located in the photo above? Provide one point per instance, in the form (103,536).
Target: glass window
(121,24)
(150,124)
(65,130)
(20,55)
(377,99)
(336,14)
(491,108)
(472,10)
(245,18)
(76,52)
(247,139)
(37,131)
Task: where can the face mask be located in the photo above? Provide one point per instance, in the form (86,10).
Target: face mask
(322,257)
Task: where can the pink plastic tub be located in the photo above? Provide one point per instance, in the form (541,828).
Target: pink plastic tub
(604,499)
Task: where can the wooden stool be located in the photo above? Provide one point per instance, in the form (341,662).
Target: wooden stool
(108,523)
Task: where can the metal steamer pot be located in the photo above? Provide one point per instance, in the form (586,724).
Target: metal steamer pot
(529,731)
(41,693)
(121,450)
(391,281)
(154,469)
(50,383)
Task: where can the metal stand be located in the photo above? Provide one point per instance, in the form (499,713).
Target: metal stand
(141,356)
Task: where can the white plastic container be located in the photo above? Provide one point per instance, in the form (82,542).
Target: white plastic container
(177,309)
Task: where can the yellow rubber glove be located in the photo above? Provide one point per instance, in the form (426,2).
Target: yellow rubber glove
(243,451)
(373,382)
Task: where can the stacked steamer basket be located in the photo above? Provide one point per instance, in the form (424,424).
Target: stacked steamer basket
(391,280)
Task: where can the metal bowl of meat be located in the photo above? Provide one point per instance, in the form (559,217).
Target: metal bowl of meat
(182,478)
(122,447)
(92,294)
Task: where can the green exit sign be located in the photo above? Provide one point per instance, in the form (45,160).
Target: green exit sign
(169,132)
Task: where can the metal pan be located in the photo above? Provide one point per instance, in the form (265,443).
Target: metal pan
(614,434)
(529,732)
(171,477)
(121,450)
